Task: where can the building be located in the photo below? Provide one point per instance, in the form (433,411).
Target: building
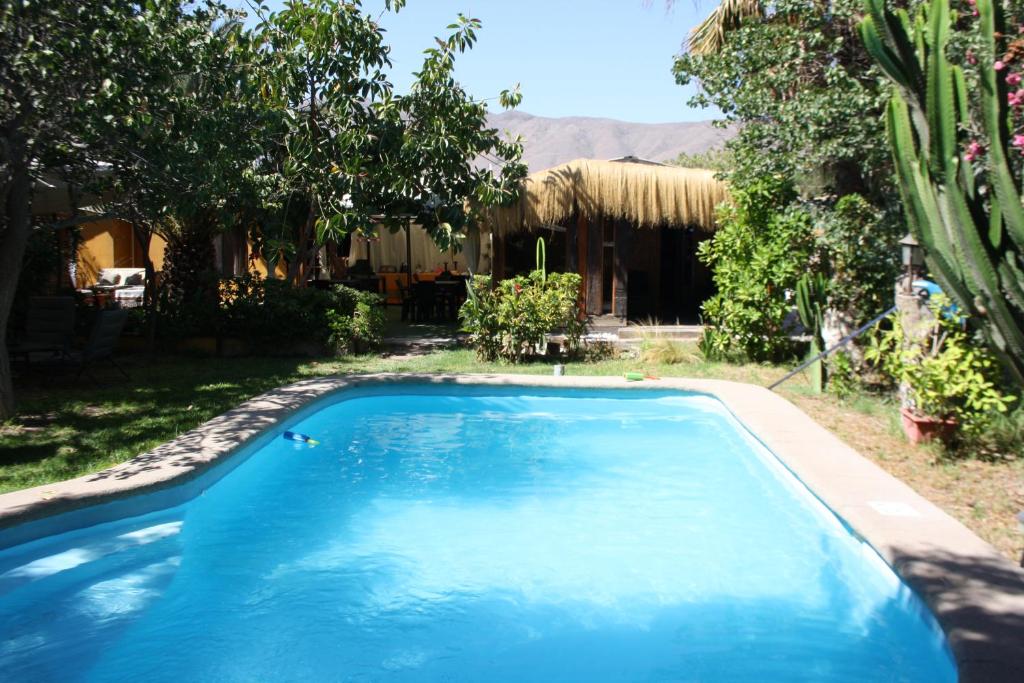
(629,227)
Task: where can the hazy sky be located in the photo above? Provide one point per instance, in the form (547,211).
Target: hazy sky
(607,58)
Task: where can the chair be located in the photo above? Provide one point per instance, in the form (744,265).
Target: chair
(48,328)
(408,301)
(425,297)
(103,338)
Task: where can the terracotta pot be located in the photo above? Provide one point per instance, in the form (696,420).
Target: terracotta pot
(924,429)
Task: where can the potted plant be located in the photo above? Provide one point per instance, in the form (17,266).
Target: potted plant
(948,384)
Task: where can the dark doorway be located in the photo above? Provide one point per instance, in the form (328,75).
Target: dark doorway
(667,282)
(521,252)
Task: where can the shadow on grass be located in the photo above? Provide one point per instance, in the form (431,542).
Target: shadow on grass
(66,426)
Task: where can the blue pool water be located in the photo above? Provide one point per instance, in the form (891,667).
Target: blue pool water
(460,535)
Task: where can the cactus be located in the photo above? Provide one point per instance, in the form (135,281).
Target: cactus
(542,260)
(971,226)
(810,303)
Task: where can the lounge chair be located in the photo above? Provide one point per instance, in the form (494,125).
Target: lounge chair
(48,328)
(103,338)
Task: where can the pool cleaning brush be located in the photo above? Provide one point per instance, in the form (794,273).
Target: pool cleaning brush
(295,436)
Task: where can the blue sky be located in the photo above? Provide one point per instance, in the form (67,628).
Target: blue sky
(606,58)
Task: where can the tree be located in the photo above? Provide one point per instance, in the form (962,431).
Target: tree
(65,66)
(807,102)
(352,150)
(438,160)
(185,153)
(709,36)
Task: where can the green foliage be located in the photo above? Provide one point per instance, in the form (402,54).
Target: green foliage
(842,377)
(807,104)
(510,321)
(1003,436)
(352,149)
(961,194)
(719,159)
(807,98)
(69,70)
(357,324)
(946,375)
(276,317)
(856,245)
(762,247)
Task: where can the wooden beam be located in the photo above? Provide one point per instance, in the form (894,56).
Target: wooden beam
(620,285)
(572,257)
(595,266)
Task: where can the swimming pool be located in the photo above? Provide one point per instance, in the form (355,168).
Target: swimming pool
(441,533)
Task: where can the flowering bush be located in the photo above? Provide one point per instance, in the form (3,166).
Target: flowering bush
(510,322)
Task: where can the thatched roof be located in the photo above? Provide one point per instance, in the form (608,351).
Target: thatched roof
(645,194)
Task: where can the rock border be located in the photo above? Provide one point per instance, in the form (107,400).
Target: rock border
(976,594)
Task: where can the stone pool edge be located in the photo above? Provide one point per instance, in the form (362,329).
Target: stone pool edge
(976,595)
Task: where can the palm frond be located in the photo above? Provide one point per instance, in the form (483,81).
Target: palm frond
(708,36)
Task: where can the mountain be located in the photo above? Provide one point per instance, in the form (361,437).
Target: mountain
(552,141)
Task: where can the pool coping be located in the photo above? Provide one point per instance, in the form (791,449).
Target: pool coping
(976,594)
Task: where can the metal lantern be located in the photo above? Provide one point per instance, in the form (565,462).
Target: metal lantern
(913,255)
(913,260)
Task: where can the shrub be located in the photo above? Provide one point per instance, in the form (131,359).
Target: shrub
(274,316)
(1003,436)
(758,253)
(664,351)
(358,325)
(842,377)
(510,321)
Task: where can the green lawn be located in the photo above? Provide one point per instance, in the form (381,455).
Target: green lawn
(66,428)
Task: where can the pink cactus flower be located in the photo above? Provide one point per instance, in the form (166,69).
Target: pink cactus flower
(1016,99)
(1018,141)
(1013,79)
(999,65)
(974,150)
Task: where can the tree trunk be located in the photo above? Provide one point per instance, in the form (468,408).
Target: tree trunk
(13,240)
(297,269)
(144,234)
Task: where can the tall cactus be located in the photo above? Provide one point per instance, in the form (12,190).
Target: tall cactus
(971,227)
(811,292)
(542,260)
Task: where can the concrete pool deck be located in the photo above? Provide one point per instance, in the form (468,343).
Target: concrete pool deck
(976,595)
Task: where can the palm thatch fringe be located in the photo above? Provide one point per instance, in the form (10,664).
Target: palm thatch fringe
(646,195)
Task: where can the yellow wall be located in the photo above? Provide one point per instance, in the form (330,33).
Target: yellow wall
(263,268)
(112,244)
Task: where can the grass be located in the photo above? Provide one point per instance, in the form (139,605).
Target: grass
(65,428)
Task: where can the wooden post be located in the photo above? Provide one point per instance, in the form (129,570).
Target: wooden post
(572,259)
(620,285)
(595,266)
(408,252)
